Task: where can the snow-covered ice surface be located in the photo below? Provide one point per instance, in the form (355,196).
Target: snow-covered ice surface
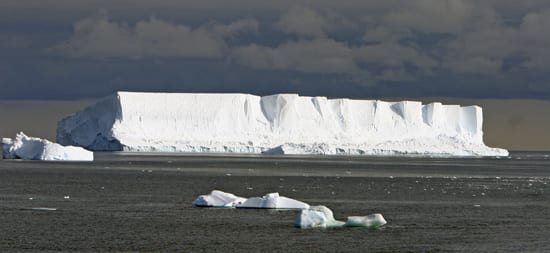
(218,198)
(276,124)
(322,217)
(31,148)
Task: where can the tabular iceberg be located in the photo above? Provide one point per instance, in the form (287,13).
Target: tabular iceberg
(277,124)
(31,148)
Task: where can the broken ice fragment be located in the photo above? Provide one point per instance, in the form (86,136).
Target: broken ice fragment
(218,199)
(273,200)
(31,148)
(317,217)
(322,217)
(269,201)
(369,221)
(43,209)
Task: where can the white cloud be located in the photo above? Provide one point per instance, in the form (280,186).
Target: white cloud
(435,16)
(484,50)
(99,37)
(330,56)
(311,23)
(479,65)
(397,39)
(310,56)
(385,34)
(234,28)
(394,55)
(302,21)
(534,39)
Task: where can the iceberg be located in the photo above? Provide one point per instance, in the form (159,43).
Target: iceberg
(273,201)
(276,124)
(218,199)
(31,148)
(323,217)
(317,217)
(269,201)
(375,220)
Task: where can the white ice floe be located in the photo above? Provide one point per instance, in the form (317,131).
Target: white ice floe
(218,199)
(273,201)
(308,217)
(44,209)
(317,216)
(269,201)
(370,221)
(31,148)
(322,217)
(277,124)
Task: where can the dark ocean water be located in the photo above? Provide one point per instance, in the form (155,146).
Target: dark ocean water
(142,202)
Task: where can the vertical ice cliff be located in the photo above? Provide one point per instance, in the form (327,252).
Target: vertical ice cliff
(281,123)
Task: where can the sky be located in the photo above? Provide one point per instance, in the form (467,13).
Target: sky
(66,50)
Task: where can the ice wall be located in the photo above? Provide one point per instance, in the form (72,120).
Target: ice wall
(282,123)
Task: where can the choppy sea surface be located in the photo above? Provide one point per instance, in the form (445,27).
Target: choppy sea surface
(142,202)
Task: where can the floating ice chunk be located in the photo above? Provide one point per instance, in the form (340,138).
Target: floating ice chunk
(218,199)
(317,217)
(269,201)
(273,200)
(31,148)
(322,217)
(369,221)
(44,209)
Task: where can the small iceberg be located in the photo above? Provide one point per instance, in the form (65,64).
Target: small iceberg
(30,148)
(308,216)
(273,201)
(322,217)
(375,220)
(317,217)
(218,198)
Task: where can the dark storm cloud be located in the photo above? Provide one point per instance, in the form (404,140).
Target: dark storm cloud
(99,37)
(358,48)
